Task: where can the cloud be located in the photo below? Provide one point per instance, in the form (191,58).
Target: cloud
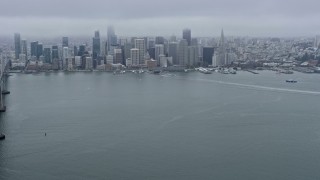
(166,17)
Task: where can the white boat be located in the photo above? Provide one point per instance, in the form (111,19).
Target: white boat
(232,71)
(204,71)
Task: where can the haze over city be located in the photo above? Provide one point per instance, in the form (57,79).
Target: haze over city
(141,17)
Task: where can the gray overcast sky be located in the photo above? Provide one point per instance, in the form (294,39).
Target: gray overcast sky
(160,17)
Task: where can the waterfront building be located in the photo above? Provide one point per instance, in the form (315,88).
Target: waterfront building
(69,63)
(151,64)
(109,59)
(159,50)
(77,61)
(165,61)
(88,63)
(128,62)
(135,56)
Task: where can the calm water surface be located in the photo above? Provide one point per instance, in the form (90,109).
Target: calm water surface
(174,126)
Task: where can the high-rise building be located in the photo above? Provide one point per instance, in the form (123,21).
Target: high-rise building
(55,52)
(183,52)
(78,61)
(193,55)
(89,63)
(118,56)
(34,47)
(135,56)
(55,58)
(151,52)
(82,49)
(96,45)
(65,42)
(173,38)
(127,50)
(207,53)
(173,52)
(109,59)
(47,55)
(17,45)
(65,55)
(75,51)
(186,34)
(39,50)
(159,50)
(159,40)
(111,38)
(139,44)
(222,51)
(194,42)
(164,61)
(24,47)
(151,43)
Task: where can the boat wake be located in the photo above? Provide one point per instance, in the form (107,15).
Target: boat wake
(258,87)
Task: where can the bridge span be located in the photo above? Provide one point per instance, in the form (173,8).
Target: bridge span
(4,68)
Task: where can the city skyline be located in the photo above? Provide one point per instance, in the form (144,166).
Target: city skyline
(205,18)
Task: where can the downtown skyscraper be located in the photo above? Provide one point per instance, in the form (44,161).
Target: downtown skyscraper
(111,38)
(186,34)
(17,45)
(96,50)
(140,44)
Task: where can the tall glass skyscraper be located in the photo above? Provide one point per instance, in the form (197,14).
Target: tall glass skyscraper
(111,37)
(96,45)
(17,45)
